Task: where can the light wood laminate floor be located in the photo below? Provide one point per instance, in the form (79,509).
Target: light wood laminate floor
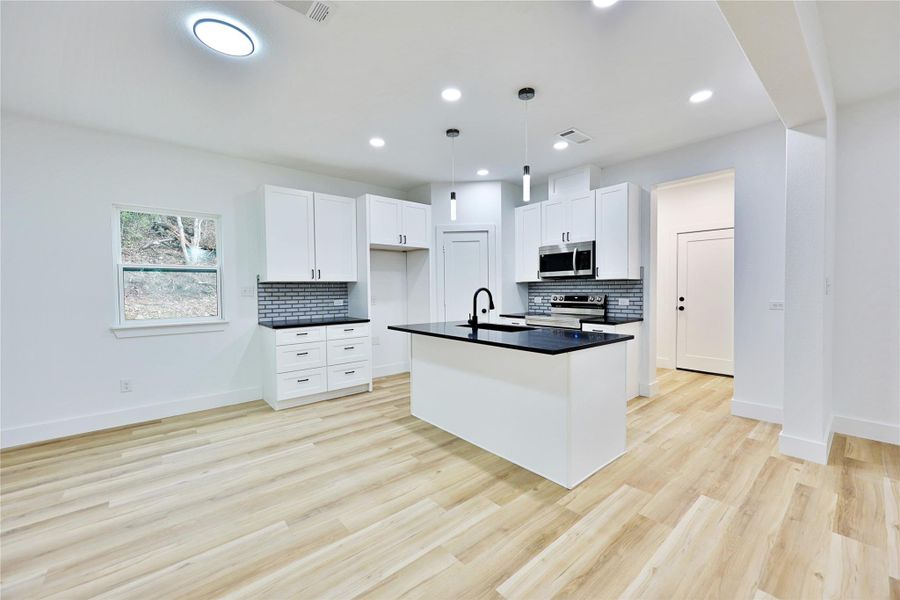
(354,497)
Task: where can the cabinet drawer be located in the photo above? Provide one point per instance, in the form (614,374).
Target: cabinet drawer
(295,357)
(342,332)
(599,328)
(347,351)
(301,383)
(349,375)
(299,335)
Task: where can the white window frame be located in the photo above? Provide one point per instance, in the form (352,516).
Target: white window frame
(148,327)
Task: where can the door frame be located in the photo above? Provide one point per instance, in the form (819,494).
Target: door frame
(493,260)
(703,229)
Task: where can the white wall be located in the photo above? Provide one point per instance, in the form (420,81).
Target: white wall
(61,364)
(757,157)
(866,376)
(390,349)
(693,205)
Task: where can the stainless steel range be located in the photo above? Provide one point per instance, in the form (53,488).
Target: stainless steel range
(567,311)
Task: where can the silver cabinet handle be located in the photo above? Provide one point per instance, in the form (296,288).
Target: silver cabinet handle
(349,372)
(303,380)
(302,353)
(349,347)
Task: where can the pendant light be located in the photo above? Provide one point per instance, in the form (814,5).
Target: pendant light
(526,94)
(453,134)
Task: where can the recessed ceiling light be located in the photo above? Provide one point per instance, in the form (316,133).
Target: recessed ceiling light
(701,96)
(482,172)
(560,145)
(451,94)
(604,3)
(376,142)
(223,37)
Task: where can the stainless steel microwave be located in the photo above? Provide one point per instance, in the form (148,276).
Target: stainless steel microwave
(566,260)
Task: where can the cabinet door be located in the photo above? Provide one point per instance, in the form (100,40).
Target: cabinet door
(582,226)
(384,221)
(289,250)
(612,232)
(414,224)
(554,221)
(528,241)
(335,238)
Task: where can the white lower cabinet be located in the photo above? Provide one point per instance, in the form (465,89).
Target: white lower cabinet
(632,351)
(309,364)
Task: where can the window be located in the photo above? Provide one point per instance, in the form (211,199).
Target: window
(168,267)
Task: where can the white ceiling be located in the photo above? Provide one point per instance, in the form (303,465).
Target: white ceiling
(312,95)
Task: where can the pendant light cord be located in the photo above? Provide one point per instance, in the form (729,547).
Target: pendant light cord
(526,131)
(452,163)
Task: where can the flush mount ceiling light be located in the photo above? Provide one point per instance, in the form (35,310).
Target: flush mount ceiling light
(223,37)
(526,94)
(701,96)
(604,3)
(376,142)
(560,145)
(452,134)
(451,94)
(482,172)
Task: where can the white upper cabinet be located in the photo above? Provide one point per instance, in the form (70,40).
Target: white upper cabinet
(288,240)
(568,219)
(307,236)
(528,240)
(335,219)
(398,224)
(384,221)
(618,227)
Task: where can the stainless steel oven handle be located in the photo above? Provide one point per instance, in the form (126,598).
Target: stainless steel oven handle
(574,255)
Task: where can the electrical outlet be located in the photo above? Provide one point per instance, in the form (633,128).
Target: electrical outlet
(338,302)
(776,305)
(124,386)
(248,291)
(376,340)
(624,301)
(538,299)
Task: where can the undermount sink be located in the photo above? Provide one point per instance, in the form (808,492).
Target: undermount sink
(498,327)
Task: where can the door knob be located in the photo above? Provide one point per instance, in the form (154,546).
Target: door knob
(680,308)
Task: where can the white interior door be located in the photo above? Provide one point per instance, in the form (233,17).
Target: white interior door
(705,302)
(464,267)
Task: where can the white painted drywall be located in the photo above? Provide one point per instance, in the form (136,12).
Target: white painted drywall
(867,270)
(757,157)
(61,364)
(390,349)
(693,205)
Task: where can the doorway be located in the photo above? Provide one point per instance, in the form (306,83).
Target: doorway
(463,266)
(705,304)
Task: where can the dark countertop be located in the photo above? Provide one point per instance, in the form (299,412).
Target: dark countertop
(543,340)
(291,323)
(593,320)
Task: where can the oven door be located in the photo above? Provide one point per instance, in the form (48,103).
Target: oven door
(567,260)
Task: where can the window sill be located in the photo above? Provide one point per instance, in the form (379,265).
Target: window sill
(152,329)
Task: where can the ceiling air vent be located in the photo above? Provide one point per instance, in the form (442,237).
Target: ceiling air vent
(574,136)
(316,10)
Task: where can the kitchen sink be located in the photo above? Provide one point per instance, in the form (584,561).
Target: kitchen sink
(499,327)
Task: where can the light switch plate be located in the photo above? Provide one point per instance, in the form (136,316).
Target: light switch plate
(624,301)
(248,291)
(538,299)
(776,305)
(338,302)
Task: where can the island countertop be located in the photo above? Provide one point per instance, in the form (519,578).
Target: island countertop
(543,340)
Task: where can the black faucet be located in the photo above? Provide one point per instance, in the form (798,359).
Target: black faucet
(473,318)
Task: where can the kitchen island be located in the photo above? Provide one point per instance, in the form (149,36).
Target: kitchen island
(549,400)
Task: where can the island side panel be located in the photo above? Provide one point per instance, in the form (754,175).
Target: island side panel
(511,403)
(598,403)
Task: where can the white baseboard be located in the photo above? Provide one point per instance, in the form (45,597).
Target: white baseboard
(48,430)
(812,450)
(754,410)
(649,390)
(870,430)
(665,363)
(390,369)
